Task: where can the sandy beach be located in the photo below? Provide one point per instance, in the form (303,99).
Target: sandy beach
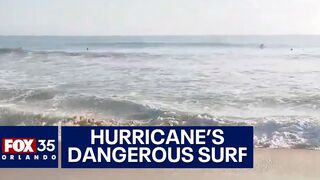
(272,164)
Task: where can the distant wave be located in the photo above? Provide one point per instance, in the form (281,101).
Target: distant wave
(11,50)
(134,45)
(162,44)
(95,54)
(304,56)
(150,54)
(86,54)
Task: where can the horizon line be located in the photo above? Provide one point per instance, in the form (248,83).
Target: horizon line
(153,35)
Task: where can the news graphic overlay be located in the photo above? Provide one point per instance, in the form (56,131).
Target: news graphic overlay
(157,147)
(29,147)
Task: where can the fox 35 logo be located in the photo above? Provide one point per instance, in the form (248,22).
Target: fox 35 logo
(26,145)
(29,146)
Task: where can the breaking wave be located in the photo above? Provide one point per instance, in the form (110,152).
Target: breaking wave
(145,54)
(84,54)
(270,132)
(166,44)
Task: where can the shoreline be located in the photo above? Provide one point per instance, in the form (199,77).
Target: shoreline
(284,164)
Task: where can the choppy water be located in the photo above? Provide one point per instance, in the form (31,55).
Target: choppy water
(204,80)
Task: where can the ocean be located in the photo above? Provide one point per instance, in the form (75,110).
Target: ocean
(269,82)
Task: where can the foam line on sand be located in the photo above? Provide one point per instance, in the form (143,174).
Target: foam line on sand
(284,164)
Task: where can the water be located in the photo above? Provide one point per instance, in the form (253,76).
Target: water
(173,80)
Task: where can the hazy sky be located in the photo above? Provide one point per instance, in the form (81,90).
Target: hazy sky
(155,17)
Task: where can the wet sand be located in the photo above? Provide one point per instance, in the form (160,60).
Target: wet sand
(273,164)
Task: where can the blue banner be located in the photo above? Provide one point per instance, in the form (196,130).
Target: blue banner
(29,147)
(157,147)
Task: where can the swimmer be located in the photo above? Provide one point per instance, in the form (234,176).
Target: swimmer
(261,46)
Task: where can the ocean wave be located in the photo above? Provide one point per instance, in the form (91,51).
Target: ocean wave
(49,106)
(17,117)
(27,95)
(270,132)
(11,50)
(288,132)
(304,56)
(154,54)
(109,108)
(85,54)
(165,44)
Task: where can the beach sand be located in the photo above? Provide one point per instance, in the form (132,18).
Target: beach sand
(273,164)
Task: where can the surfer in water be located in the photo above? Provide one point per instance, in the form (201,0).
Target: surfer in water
(261,46)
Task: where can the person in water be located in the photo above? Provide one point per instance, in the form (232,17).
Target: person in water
(261,46)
